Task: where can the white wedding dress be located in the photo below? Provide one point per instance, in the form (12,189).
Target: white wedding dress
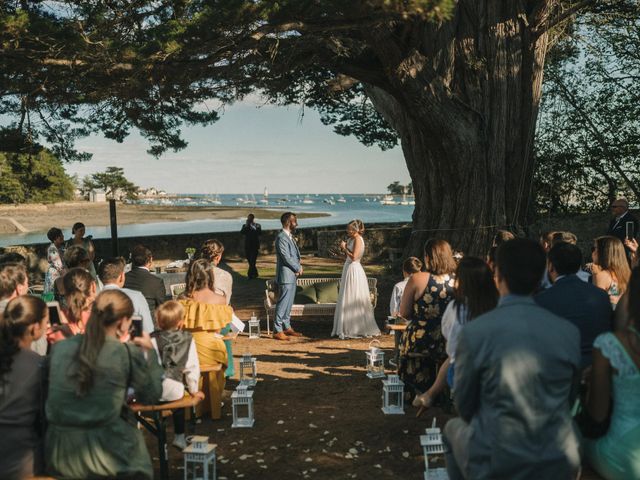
(354,312)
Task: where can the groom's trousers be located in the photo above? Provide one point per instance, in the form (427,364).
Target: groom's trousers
(286,293)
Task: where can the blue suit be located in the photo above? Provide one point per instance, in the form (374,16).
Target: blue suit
(583,304)
(287,265)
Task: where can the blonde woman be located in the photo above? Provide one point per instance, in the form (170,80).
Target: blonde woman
(611,270)
(212,251)
(354,312)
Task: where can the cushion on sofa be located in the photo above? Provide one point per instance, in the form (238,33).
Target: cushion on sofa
(305,295)
(327,292)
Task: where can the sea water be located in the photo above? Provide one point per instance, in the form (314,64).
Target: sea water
(341,209)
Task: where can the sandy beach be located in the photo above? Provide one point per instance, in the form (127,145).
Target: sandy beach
(41,217)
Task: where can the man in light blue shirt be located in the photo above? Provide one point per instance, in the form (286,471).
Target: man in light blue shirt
(111,273)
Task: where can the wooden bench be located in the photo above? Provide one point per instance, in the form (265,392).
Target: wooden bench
(154,419)
(309,309)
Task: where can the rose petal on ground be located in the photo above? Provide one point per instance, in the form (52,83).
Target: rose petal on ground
(280,422)
(353,451)
(377,465)
(311,425)
(405,454)
(405,431)
(308,459)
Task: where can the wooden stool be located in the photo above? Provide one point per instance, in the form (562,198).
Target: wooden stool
(214,402)
(397,329)
(157,424)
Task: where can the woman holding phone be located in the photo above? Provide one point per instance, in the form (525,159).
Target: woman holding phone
(80,293)
(92,372)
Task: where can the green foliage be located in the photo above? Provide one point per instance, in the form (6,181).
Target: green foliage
(396,188)
(113,182)
(33,177)
(588,142)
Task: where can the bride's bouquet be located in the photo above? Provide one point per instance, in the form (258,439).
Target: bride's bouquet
(336,250)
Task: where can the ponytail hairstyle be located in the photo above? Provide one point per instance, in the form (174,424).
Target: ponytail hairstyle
(110,307)
(199,276)
(21,313)
(77,292)
(356,226)
(211,249)
(412,265)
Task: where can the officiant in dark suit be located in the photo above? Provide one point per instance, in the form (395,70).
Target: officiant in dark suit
(141,279)
(621,217)
(251,231)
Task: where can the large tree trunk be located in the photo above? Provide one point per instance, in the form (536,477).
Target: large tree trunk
(464,103)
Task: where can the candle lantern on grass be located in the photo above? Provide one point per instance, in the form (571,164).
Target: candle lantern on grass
(200,459)
(375,360)
(248,371)
(241,403)
(254,327)
(431,446)
(393,395)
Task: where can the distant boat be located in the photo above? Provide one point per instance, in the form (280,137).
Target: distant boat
(215,200)
(329,201)
(307,200)
(341,199)
(388,200)
(265,197)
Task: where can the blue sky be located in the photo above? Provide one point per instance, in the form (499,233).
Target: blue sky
(250,147)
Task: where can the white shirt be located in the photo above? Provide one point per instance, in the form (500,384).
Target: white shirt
(223,282)
(140,305)
(172,389)
(396,296)
(451,329)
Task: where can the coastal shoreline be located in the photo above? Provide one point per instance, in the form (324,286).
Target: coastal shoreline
(40,217)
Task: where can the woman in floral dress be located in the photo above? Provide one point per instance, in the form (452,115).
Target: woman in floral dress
(425,298)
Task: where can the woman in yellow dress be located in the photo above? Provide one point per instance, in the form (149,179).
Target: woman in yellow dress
(206,314)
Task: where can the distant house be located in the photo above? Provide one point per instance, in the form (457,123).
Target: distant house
(97,196)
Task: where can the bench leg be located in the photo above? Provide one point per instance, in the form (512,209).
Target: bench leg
(161,428)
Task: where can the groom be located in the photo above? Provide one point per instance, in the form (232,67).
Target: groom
(288,268)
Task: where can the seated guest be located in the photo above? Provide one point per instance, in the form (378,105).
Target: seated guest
(410,266)
(141,279)
(77,257)
(177,353)
(516,371)
(614,389)
(14,282)
(206,314)
(54,258)
(475,293)
(569,237)
(583,304)
(212,250)
(112,277)
(611,270)
(80,293)
(425,298)
(87,436)
(23,322)
(502,236)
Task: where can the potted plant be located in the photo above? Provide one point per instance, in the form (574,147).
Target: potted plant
(190,251)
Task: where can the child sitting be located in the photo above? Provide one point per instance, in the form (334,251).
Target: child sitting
(410,266)
(177,353)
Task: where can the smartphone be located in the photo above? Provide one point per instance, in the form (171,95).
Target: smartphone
(136,326)
(54,313)
(630,231)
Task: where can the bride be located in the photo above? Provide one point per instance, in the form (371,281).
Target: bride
(354,312)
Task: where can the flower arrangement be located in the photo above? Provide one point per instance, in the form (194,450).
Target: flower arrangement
(190,251)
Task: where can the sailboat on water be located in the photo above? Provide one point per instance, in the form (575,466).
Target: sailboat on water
(265,197)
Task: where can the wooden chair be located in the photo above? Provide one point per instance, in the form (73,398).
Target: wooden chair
(205,370)
(177,289)
(154,419)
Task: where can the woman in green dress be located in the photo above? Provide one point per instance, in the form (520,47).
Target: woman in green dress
(615,379)
(88,382)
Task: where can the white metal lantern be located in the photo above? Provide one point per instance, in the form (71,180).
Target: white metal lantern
(254,327)
(393,395)
(200,459)
(432,445)
(375,360)
(248,370)
(242,400)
